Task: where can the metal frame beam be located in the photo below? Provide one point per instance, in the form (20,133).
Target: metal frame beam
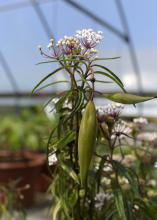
(126,37)
(97,19)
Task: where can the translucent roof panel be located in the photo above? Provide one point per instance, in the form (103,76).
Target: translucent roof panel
(24,25)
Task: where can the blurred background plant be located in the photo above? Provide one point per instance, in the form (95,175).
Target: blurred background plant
(26,131)
(134,156)
(10,207)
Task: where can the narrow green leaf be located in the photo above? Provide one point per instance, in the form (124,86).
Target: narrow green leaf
(129,174)
(148,210)
(120,204)
(129,211)
(64,60)
(62,100)
(65,140)
(79,70)
(56,210)
(79,102)
(47,148)
(70,172)
(51,84)
(84,79)
(76,60)
(107,58)
(73,197)
(46,77)
(126,98)
(48,102)
(110,72)
(101,81)
(118,195)
(49,61)
(98,81)
(66,210)
(111,77)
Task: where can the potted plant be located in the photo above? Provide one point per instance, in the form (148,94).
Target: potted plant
(21,144)
(88,182)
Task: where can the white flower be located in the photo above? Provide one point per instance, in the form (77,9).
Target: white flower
(89,53)
(52,40)
(123,180)
(106,181)
(152,182)
(69,45)
(121,129)
(148,136)
(100,197)
(50,45)
(82,44)
(136,207)
(89,38)
(155,165)
(39,47)
(107,169)
(59,43)
(128,160)
(92,50)
(140,121)
(52,159)
(112,110)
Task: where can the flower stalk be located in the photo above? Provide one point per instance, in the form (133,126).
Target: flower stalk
(85,139)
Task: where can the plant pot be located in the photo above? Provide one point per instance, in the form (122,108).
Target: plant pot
(45,178)
(24,166)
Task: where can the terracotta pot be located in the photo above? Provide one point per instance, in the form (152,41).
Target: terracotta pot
(45,178)
(25,166)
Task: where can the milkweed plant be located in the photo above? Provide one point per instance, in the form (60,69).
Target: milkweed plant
(88,181)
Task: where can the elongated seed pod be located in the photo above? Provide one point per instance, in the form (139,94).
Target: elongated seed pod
(126,98)
(86,140)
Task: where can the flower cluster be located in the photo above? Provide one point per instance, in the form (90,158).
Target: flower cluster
(52,159)
(121,129)
(155,165)
(69,46)
(88,38)
(100,198)
(140,121)
(148,136)
(82,44)
(111,110)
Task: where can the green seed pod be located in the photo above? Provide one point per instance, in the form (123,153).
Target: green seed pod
(126,98)
(86,140)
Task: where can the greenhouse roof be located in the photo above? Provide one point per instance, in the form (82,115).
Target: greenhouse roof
(128,28)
